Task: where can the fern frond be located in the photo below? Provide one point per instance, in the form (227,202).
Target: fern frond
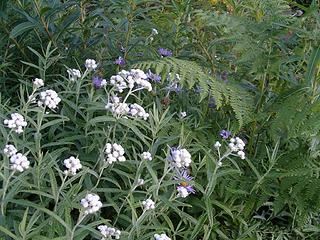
(191,74)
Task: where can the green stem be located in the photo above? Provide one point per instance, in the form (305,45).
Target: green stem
(80,219)
(5,187)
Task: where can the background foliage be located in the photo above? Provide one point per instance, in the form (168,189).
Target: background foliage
(248,66)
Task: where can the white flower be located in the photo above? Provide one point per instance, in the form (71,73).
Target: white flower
(140,182)
(182,192)
(162,236)
(19,162)
(137,111)
(109,232)
(73,165)
(146,156)
(38,82)
(217,145)
(114,152)
(237,145)
(16,122)
(154,31)
(74,74)
(91,203)
(9,150)
(130,79)
(91,64)
(49,98)
(183,114)
(148,204)
(241,154)
(180,157)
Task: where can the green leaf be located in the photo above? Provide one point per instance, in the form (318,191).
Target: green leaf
(21,29)
(312,65)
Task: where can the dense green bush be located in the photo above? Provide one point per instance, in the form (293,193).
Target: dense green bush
(212,73)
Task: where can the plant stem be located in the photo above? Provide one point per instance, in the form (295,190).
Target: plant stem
(5,187)
(59,191)
(80,219)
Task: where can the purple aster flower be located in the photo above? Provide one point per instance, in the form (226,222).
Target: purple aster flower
(120,61)
(184,178)
(198,89)
(165,52)
(153,77)
(174,88)
(98,82)
(225,134)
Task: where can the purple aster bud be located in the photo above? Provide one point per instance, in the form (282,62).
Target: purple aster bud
(224,76)
(98,82)
(225,134)
(120,61)
(153,77)
(212,103)
(165,52)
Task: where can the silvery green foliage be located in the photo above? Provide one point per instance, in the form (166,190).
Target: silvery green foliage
(227,65)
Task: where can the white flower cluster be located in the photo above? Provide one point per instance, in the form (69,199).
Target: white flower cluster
(38,82)
(9,150)
(180,157)
(91,203)
(154,31)
(73,165)
(146,156)
(49,98)
(129,79)
(74,74)
(183,192)
(19,162)
(148,204)
(117,107)
(237,145)
(91,64)
(109,232)
(137,111)
(122,109)
(16,122)
(114,153)
(162,236)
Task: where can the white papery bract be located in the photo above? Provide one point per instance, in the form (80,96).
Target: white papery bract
(237,145)
(180,157)
(74,74)
(73,165)
(114,153)
(154,31)
(91,64)
(16,122)
(140,182)
(91,203)
(38,82)
(137,111)
(130,79)
(49,98)
(146,156)
(148,204)
(217,145)
(9,150)
(109,232)
(162,236)
(182,192)
(19,162)
(183,114)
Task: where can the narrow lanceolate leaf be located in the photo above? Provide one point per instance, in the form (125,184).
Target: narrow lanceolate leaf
(21,29)
(313,64)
